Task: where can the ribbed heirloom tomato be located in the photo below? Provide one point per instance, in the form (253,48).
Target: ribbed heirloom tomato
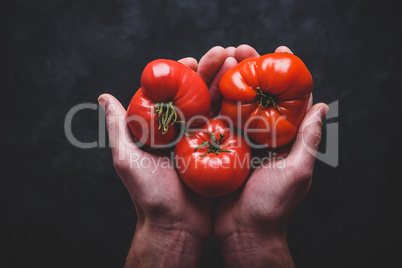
(170,94)
(213,161)
(267,97)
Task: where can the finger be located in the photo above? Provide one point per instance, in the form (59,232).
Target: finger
(190,62)
(120,138)
(216,97)
(245,52)
(310,102)
(231,51)
(283,49)
(211,62)
(303,152)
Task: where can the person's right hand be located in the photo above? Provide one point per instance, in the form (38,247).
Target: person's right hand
(251,223)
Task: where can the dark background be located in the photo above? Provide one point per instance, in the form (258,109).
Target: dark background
(62,206)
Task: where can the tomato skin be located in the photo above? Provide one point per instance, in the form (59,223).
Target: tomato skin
(213,175)
(143,122)
(166,81)
(280,75)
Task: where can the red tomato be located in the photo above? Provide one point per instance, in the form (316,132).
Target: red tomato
(267,97)
(213,161)
(170,94)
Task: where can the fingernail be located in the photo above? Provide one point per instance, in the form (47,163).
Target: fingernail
(323,111)
(103,102)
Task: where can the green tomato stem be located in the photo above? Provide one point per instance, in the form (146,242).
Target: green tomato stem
(166,114)
(266,99)
(214,146)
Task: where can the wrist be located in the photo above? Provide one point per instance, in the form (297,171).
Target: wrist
(154,246)
(246,249)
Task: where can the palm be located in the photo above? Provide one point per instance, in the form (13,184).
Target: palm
(267,199)
(156,188)
(273,190)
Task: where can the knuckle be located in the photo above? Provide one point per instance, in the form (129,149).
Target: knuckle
(110,124)
(312,136)
(315,138)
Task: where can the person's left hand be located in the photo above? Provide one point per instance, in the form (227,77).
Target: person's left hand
(173,223)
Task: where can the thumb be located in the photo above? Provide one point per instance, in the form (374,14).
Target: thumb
(120,138)
(305,147)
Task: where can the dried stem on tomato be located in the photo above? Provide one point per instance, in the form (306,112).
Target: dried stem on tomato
(167,115)
(266,99)
(214,146)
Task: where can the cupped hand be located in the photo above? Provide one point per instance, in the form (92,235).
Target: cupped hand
(169,216)
(251,223)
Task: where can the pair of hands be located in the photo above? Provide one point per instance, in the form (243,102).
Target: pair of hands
(173,223)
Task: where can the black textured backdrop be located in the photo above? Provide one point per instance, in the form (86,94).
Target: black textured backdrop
(62,206)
